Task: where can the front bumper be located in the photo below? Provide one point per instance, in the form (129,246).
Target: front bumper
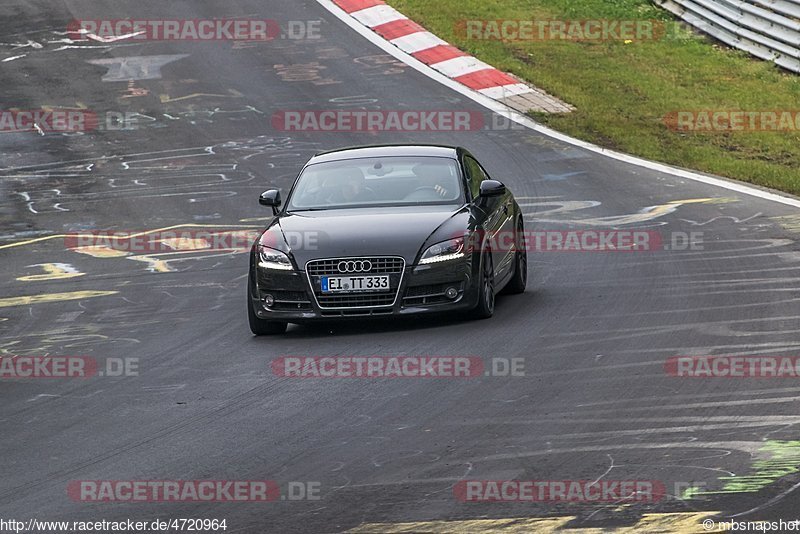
(421,289)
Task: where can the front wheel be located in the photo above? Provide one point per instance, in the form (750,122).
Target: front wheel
(520,279)
(485,307)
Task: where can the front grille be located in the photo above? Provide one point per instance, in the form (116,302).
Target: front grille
(356,301)
(356,312)
(384,265)
(380,265)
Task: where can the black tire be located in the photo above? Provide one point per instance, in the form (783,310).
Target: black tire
(485,307)
(520,279)
(259,326)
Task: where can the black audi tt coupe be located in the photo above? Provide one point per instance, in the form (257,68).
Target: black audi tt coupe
(386,231)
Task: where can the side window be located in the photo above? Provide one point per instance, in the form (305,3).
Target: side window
(475,175)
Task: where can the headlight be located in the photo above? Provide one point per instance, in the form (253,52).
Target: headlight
(444,251)
(273,259)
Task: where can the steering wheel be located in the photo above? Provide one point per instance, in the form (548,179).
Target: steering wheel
(425,188)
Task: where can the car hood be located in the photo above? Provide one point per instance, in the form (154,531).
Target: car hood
(395,231)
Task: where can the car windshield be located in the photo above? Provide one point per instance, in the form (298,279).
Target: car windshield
(371,182)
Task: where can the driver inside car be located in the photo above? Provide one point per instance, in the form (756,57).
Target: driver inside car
(435,178)
(350,186)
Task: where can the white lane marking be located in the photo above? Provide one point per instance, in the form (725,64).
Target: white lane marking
(31,43)
(79,47)
(68,317)
(507,112)
(165,387)
(12,58)
(111,39)
(123,69)
(751,447)
(41,396)
(377,15)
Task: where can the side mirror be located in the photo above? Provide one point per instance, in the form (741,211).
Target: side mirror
(270,198)
(492,188)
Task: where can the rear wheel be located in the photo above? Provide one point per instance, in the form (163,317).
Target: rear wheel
(520,279)
(485,307)
(259,326)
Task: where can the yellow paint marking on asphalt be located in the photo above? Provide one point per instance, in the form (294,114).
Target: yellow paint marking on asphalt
(247,234)
(101,251)
(53,271)
(675,523)
(52,297)
(111,237)
(31,241)
(712,200)
(669,207)
(515,524)
(643,215)
(78,105)
(244,238)
(789,222)
(154,265)
(186,243)
(68,336)
(158,265)
(220,251)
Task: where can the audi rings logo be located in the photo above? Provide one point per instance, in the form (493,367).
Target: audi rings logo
(356,266)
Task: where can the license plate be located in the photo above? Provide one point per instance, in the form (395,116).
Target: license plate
(335,284)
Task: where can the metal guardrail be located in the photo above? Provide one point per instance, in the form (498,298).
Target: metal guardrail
(768,29)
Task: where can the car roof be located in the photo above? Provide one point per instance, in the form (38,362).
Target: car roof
(373,151)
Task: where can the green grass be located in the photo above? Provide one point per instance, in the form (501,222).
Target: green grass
(623,91)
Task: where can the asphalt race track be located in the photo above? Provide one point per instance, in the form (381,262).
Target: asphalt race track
(594,329)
